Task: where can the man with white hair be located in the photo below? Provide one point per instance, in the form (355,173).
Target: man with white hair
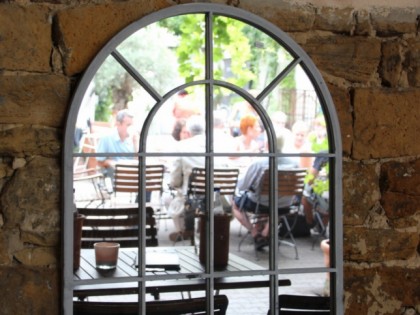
(181,170)
(118,140)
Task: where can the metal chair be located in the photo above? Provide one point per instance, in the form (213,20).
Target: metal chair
(290,183)
(303,305)
(169,307)
(116,225)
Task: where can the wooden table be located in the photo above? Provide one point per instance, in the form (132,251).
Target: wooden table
(186,279)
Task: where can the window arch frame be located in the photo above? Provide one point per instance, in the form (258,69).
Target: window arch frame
(333,131)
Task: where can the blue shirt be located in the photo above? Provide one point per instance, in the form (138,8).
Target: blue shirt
(112,143)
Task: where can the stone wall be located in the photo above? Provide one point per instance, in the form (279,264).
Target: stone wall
(370,58)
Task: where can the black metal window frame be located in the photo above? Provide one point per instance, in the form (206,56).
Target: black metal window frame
(334,154)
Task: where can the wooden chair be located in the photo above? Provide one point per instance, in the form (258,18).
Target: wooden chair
(169,307)
(303,305)
(88,144)
(127,178)
(88,180)
(290,183)
(223,178)
(116,225)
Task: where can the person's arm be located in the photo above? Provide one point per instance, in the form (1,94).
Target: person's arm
(250,177)
(103,146)
(107,163)
(176,174)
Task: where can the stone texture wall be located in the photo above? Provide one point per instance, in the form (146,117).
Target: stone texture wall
(370,59)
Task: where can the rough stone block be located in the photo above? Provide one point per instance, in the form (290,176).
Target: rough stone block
(412,61)
(385,290)
(363,244)
(25,38)
(393,21)
(289,17)
(363,25)
(25,141)
(391,65)
(386,123)
(342,102)
(29,291)
(402,177)
(34,99)
(9,243)
(355,59)
(98,24)
(37,256)
(400,186)
(35,206)
(360,191)
(335,20)
(401,209)
(400,64)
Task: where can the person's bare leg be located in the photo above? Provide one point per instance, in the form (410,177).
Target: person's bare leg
(241,216)
(266,228)
(307,209)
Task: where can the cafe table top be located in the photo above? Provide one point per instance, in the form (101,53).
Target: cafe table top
(187,278)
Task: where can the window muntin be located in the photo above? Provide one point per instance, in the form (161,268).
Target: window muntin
(153,96)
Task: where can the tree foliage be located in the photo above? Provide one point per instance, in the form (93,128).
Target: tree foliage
(147,50)
(173,49)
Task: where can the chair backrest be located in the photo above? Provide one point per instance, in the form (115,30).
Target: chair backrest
(117,225)
(291,182)
(88,144)
(168,307)
(223,178)
(127,178)
(303,305)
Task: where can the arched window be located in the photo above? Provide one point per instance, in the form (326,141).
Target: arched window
(248,97)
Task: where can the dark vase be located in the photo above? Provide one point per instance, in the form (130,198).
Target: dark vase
(221,240)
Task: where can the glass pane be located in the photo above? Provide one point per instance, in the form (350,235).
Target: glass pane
(296,112)
(108,263)
(307,284)
(152,53)
(169,52)
(244,55)
(237,126)
(179,124)
(112,95)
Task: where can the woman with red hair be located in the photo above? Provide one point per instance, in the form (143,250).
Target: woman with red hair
(250,130)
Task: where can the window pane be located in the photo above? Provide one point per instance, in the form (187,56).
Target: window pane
(296,112)
(179,118)
(237,126)
(151,51)
(244,55)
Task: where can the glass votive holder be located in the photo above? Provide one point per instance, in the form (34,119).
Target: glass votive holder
(106,255)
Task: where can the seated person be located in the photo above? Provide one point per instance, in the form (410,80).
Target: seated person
(299,143)
(250,131)
(118,140)
(246,202)
(181,170)
(315,196)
